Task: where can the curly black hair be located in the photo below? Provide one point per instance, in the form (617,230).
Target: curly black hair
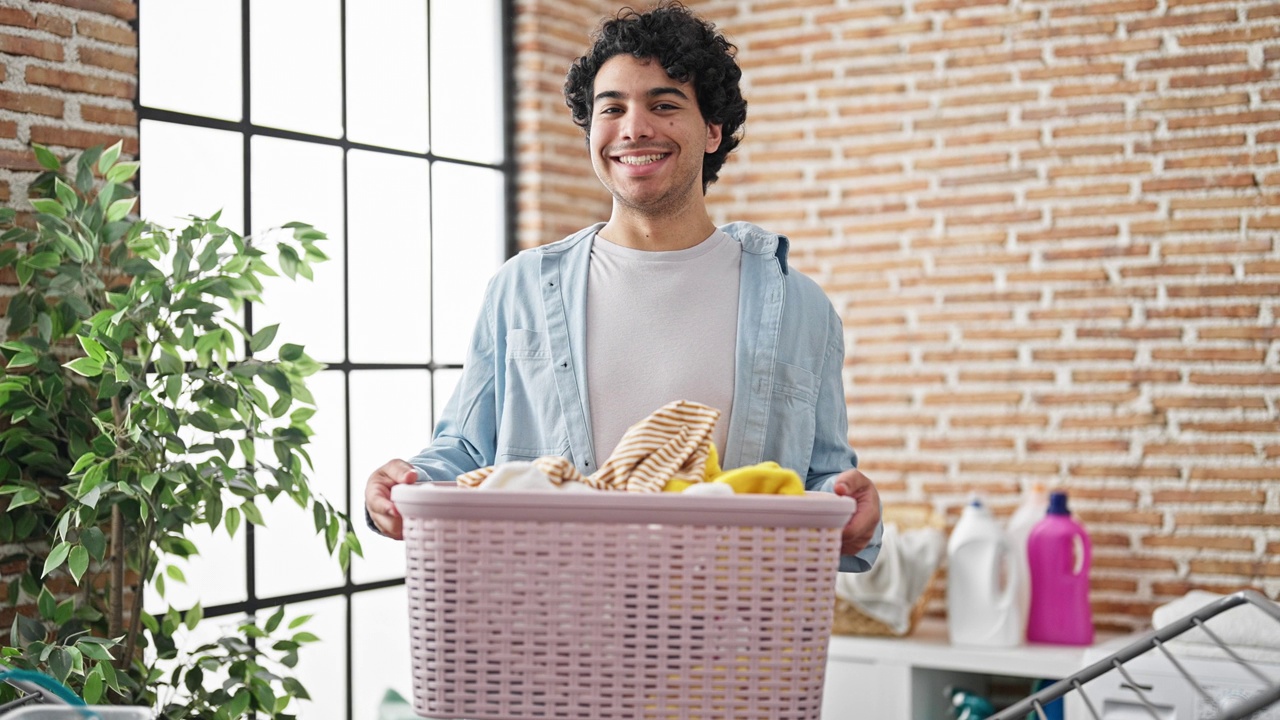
(689,48)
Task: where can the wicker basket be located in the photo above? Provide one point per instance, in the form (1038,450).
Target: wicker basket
(849,620)
(594,606)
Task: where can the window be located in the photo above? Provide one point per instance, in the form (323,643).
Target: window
(385,124)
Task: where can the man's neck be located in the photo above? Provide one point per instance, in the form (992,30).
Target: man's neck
(678,231)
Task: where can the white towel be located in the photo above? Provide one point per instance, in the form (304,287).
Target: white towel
(889,590)
(1247,630)
(523,475)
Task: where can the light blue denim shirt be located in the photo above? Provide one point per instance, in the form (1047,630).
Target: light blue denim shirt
(523,391)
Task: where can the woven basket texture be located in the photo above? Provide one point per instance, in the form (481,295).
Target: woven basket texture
(516,619)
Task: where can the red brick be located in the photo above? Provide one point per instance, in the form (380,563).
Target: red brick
(1196,102)
(108,116)
(19,160)
(109,60)
(1242,118)
(1199,542)
(123,9)
(31,103)
(1114,47)
(1207,17)
(62,137)
(1103,8)
(1251,569)
(110,33)
(59,26)
(1239,77)
(1125,471)
(33,47)
(1227,290)
(1233,36)
(1119,397)
(79,82)
(14,17)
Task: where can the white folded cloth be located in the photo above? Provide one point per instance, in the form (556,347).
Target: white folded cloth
(524,475)
(1247,630)
(889,590)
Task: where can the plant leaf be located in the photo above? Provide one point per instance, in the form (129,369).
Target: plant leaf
(263,338)
(119,209)
(233,521)
(66,195)
(56,556)
(46,603)
(60,664)
(109,157)
(46,158)
(62,614)
(78,562)
(194,616)
(95,541)
(92,690)
(85,366)
(49,206)
(93,348)
(122,172)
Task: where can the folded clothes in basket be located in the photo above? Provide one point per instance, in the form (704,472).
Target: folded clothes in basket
(1248,631)
(669,451)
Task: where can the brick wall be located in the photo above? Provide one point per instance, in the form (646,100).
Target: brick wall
(1051,228)
(68,78)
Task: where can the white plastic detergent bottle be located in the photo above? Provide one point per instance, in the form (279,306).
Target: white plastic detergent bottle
(1035,502)
(982,600)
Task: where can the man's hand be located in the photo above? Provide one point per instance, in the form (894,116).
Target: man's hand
(377,496)
(862,526)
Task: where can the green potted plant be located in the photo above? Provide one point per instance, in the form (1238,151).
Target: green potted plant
(133,407)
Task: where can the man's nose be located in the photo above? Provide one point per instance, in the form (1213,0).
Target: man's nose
(637,125)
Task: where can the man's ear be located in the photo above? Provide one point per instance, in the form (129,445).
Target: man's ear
(714,135)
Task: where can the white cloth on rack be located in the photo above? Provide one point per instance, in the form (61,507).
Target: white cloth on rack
(889,590)
(1250,632)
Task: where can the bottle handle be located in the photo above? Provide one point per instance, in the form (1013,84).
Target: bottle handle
(1081,553)
(1012,574)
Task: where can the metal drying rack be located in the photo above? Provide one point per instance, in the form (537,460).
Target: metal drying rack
(1157,640)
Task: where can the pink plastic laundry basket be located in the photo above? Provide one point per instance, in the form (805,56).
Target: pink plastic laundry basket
(614,605)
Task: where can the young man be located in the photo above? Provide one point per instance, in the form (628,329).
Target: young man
(580,339)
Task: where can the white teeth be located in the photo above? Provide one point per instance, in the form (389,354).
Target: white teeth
(640,159)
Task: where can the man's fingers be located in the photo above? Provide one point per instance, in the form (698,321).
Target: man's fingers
(377,495)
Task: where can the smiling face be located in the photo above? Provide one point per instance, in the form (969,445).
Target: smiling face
(648,137)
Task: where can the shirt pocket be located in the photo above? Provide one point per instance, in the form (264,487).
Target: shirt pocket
(531,424)
(794,410)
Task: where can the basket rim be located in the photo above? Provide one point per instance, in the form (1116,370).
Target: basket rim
(812,510)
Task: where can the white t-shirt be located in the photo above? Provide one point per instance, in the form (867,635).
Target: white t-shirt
(661,326)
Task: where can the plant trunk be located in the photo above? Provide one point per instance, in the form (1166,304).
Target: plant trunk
(115,622)
(135,615)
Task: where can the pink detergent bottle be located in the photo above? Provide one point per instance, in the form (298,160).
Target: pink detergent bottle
(1059,555)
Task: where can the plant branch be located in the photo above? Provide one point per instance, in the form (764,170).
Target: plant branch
(115,623)
(135,616)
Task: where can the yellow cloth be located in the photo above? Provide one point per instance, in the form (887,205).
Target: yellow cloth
(766,478)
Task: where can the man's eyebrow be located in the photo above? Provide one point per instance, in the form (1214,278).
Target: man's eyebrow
(654,92)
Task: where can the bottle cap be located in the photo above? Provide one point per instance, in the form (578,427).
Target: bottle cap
(1058,503)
